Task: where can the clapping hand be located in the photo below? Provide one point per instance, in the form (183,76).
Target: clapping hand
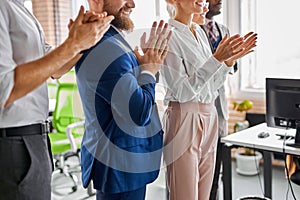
(235,47)
(155,48)
(245,48)
(88,28)
(228,47)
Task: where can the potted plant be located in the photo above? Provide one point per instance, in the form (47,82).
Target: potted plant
(247,160)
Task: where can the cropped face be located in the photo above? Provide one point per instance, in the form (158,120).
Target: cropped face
(199,18)
(121,10)
(189,6)
(214,7)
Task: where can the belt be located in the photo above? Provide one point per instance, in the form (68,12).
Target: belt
(33,129)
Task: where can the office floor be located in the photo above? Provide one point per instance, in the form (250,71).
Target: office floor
(251,185)
(242,186)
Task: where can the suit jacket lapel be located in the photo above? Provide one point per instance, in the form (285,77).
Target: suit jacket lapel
(125,45)
(220,32)
(211,47)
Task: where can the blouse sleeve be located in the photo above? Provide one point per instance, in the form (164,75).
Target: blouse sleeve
(184,83)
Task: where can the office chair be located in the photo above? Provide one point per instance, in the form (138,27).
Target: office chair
(68,121)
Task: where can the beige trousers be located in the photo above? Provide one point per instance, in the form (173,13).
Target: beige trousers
(191,133)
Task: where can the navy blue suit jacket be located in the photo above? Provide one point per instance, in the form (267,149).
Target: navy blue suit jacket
(122,143)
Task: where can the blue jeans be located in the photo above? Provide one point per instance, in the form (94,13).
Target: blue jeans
(138,194)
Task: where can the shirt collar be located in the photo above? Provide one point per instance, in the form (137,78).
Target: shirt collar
(180,26)
(208,21)
(121,35)
(119,31)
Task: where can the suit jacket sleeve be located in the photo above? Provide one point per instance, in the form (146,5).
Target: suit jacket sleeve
(125,90)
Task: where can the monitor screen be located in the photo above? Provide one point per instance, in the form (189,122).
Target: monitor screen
(283,103)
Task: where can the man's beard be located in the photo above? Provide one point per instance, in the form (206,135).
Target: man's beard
(123,23)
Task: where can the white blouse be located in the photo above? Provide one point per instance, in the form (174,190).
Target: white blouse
(190,73)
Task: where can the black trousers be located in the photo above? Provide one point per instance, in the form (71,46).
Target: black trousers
(25,168)
(215,184)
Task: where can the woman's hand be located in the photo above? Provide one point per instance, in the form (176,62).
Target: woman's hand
(244,49)
(155,48)
(228,47)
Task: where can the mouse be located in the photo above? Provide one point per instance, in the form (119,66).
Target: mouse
(263,135)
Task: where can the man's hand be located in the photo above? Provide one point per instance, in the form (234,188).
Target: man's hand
(89,16)
(87,29)
(155,49)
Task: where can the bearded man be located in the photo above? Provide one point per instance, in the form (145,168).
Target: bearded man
(121,147)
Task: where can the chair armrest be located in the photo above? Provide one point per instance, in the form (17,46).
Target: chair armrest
(70,135)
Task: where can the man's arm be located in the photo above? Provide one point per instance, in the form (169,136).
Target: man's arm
(30,75)
(88,17)
(67,67)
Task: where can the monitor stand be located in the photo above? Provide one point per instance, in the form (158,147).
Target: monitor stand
(297,138)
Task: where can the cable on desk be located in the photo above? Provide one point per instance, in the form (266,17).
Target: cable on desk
(285,165)
(259,178)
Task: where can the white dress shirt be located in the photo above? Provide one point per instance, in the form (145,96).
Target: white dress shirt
(190,72)
(22,40)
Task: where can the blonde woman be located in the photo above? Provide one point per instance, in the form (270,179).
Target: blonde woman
(192,75)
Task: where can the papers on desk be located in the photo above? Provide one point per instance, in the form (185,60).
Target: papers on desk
(285,136)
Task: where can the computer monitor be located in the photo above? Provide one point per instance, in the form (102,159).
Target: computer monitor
(283,104)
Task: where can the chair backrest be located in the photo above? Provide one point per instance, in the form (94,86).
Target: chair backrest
(68,107)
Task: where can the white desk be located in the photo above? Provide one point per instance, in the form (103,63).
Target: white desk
(249,138)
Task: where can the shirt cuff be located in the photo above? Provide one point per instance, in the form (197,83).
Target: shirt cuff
(225,69)
(148,72)
(216,61)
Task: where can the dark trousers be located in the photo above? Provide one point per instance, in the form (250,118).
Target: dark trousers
(25,168)
(138,194)
(215,184)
